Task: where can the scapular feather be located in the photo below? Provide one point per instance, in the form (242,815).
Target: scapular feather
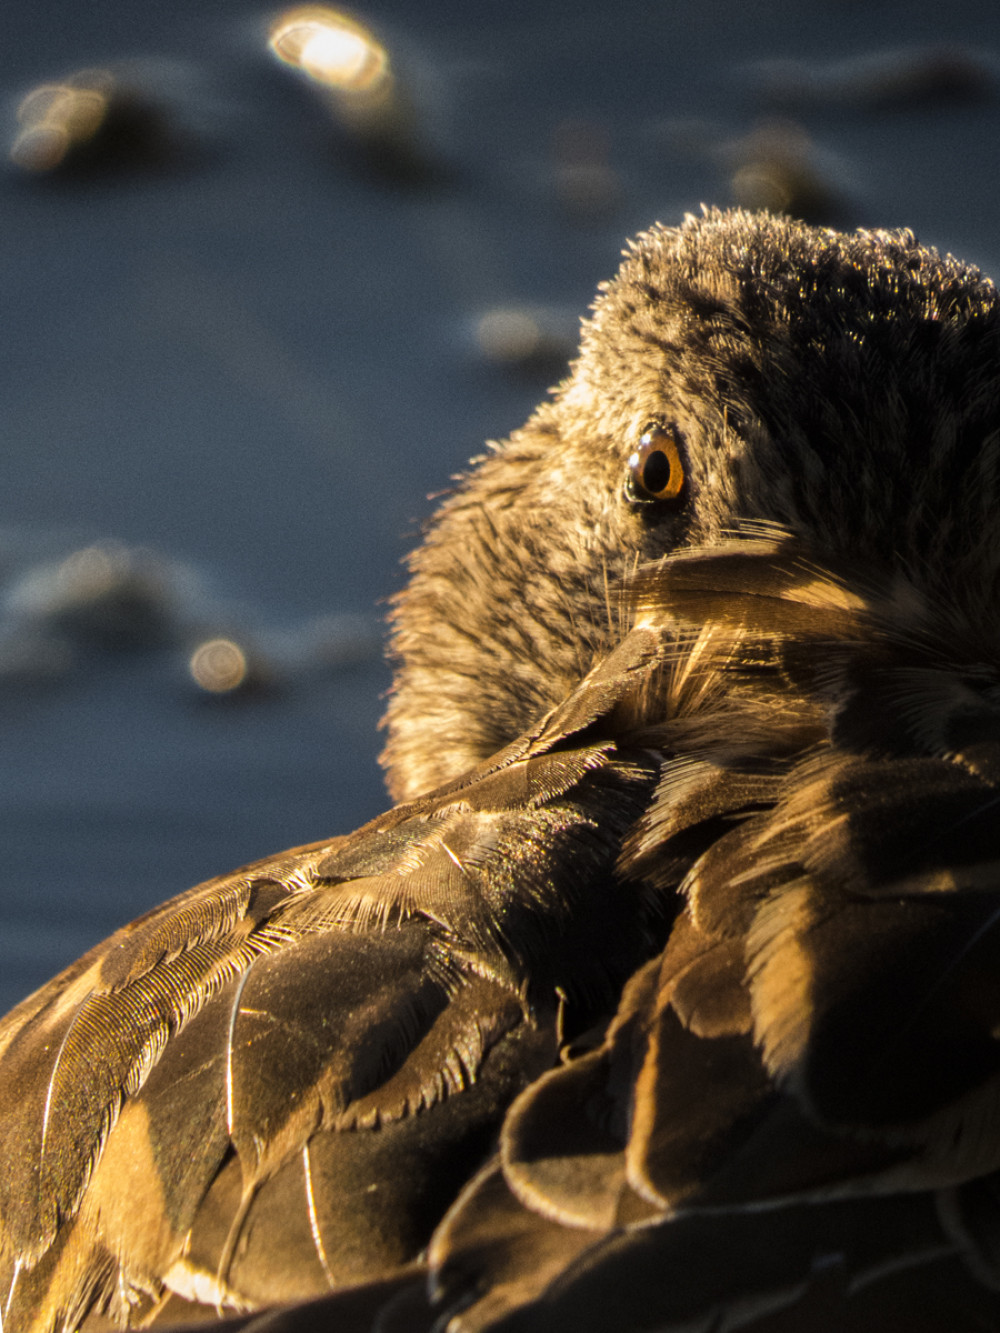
(666,997)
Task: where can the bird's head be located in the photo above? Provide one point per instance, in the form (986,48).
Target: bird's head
(739,369)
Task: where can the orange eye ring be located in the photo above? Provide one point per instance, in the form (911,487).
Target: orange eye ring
(655,469)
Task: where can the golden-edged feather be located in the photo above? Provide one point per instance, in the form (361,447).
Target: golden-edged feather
(674,1004)
(277,1082)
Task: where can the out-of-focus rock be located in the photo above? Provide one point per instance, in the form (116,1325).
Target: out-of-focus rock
(527,339)
(367,99)
(106,595)
(776,167)
(919,76)
(254,661)
(94,120)
(586,185)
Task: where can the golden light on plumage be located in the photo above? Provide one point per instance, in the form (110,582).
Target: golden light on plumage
(667,996)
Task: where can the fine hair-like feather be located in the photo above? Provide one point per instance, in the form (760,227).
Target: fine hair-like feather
(667,995)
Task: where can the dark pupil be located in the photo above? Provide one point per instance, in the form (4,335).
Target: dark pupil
(656,473)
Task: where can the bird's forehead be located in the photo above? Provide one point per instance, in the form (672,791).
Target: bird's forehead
(844,385)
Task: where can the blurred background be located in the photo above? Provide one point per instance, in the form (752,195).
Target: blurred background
(269,278)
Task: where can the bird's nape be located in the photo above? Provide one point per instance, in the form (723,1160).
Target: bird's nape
(667,997)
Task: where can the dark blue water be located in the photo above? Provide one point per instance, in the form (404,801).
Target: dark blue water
(254,357)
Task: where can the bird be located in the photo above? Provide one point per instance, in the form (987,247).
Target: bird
(666,995)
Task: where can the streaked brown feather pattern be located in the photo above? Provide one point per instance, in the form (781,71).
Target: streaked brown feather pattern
(669,999)
(280,1046)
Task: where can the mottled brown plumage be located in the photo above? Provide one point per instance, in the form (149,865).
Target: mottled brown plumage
(668,997)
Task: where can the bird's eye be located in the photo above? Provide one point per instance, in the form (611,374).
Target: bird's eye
(655,469)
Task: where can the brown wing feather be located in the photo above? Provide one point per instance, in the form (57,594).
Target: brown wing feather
(821,1023)
(340,1032)
(279,1081)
